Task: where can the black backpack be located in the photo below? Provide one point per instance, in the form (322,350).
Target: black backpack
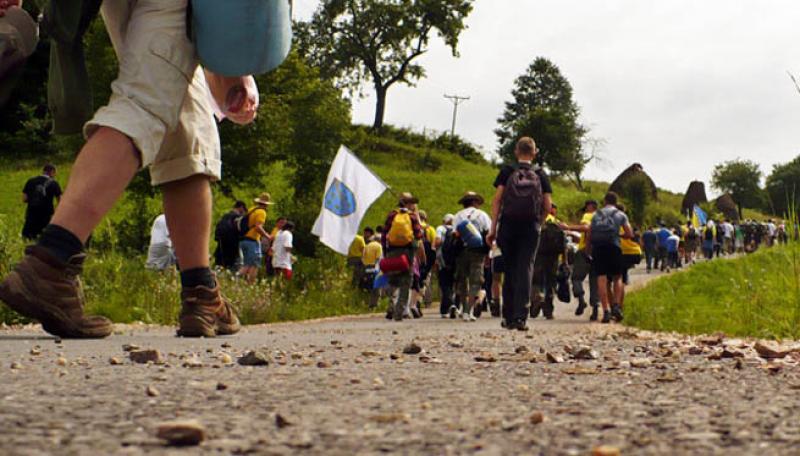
(552,240)
(522,198)
(38,197)
(226,229)
(691,235)
(451,249)
(709,236)
(242,223)
(604,228)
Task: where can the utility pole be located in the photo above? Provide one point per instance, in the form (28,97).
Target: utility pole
(456,100)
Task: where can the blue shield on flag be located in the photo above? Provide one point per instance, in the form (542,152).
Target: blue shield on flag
(339,199)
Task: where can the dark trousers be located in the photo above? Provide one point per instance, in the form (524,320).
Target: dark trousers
(662,258)
(518,244)
(545,271)
(649,256)
(447,279)
(580,271)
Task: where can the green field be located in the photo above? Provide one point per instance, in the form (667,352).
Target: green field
(757,295)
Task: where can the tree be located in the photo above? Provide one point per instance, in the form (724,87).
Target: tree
(783,188)
(353,41)
(637,193)
(542,107)
(741,179)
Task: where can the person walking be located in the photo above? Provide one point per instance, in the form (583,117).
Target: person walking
(160,255)
(445,246)
(250,245)
(282,247)
(552,247)
(354,255)
(227,254)
(39,194)
(402,240)
(663,255)
(582,266)
(691,243)
(603,244)
(520,202)
(472,225)
(709,234)
(673,251)
(650,247)
(373,252)
(159,116)
(426,269)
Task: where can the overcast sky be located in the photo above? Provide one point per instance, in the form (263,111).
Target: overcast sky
(676,85)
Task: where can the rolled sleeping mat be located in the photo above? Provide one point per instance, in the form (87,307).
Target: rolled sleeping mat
(241,37)
(395,265)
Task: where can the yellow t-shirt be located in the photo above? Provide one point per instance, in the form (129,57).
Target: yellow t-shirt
(430,233)
(628,246)
(356,247)
(256,218)
(585,220)
(372,253)
(274,232)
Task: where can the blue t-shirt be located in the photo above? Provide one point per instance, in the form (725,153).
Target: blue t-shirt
(663,235)
(649,239)
(673,243)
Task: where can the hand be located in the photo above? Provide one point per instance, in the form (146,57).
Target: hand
(237,97)
(6,4)
(491,237)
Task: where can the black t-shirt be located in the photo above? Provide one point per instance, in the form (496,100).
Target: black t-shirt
(41,191)
(506,171)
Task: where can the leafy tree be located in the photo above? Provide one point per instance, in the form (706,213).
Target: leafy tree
(542,107)
(355,41)
(783,188)
(741,179)
(637,194)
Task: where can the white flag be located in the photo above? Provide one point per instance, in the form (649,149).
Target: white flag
(350,190)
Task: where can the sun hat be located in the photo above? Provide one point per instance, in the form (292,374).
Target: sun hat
(241,37)
(408,198)
(469,197)
(264,199)
(448,218)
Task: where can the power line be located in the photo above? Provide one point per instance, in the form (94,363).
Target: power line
(456,100)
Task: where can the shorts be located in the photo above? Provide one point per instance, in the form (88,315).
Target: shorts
(251,252)
(607,260)
(160,99)
(498,265)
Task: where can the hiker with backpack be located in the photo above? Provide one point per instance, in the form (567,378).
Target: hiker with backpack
(426,268)
(603,245)
(552,247)
(227,254)
(520,202)
(582,266)
(650,247)
(472,225)
(38,195)
(373,252)
(446,253)
(402,243)
(691,242)
(251,230)
(709,234)
(160,254)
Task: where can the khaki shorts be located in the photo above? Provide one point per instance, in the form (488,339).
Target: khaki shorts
(160,97)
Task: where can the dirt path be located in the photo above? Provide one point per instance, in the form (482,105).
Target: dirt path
(345,387)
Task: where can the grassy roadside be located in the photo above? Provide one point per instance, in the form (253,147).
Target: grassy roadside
(757,295)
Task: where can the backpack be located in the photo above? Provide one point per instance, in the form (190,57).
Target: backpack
(470,235)
(226,228)
(604,229)
(38,197)
(451,248)
(242,223)
(691,235)
(552,240)
(562,283)
(709,234)
(522,198)
(401,233)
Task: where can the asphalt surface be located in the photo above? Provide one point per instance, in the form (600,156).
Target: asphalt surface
(344,386)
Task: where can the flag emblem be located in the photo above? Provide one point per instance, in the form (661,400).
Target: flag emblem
(339,199)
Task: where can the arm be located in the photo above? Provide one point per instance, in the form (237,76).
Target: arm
(547,202)
(628,231)
(260,229)
(497,203)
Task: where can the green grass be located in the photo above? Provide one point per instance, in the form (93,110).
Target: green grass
(757,295)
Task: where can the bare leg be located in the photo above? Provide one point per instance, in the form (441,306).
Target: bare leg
(602,290)
(104,168)
(187,205)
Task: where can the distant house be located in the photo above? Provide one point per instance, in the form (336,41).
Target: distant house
(727,206)
(636,169)
(695,195)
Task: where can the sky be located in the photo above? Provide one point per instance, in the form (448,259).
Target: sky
(678,86)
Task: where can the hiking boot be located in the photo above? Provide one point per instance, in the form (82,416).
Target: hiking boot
(494,307)
(205,313)
(389,314)
(606,316)
(616,312)
(477,311)
(536,309)
(593,316)
(521,325)
(453,312)
(44,288)
(416,312)
(581,307)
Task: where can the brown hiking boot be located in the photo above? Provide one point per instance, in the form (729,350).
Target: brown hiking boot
(205,313)
(44,288)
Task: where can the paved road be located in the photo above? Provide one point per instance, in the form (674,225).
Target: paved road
(344,387)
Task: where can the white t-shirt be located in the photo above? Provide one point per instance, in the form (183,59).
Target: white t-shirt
(727,230)
(282,258)
(480,219)
(159,234)
(771,228)
(441,232)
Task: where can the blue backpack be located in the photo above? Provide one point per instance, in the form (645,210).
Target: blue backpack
(470,234)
